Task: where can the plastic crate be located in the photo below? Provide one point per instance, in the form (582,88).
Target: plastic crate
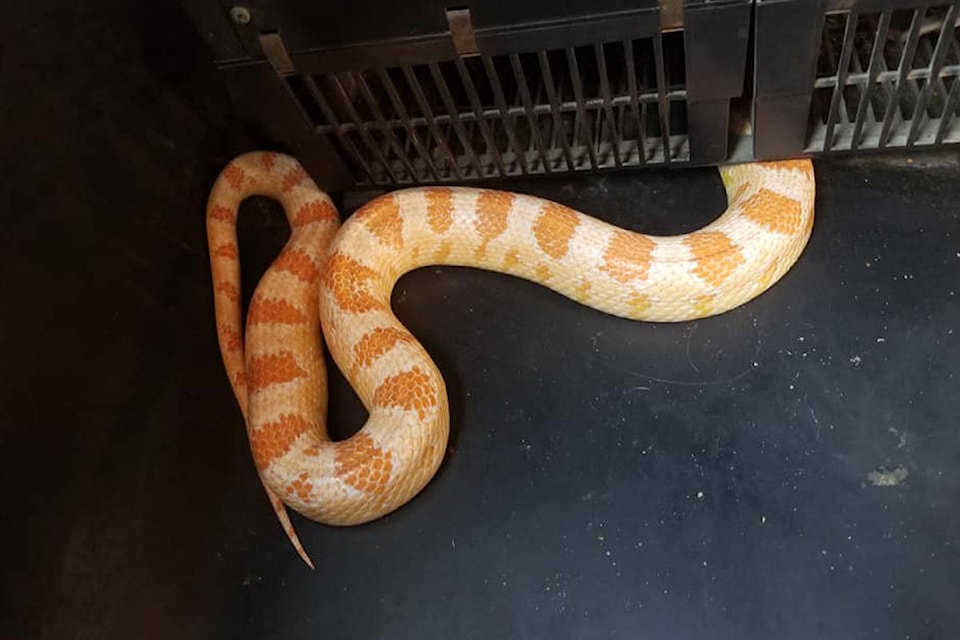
(848,77)
(380,94)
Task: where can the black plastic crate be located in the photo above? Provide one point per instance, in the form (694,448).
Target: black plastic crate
(847,77)
(381,94)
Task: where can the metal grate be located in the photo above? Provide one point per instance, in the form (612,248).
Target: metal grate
(887,80)
(608,105)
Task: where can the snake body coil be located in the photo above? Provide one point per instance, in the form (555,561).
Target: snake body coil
(341,278)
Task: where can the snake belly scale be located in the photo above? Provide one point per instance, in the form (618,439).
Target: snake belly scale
(334,281)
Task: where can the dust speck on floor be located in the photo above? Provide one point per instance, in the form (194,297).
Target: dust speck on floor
(884,477)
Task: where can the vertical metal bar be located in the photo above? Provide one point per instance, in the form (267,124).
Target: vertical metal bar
(331,117)
(361,128)
(622,127)
(941,85)
(881,82)
(397,102)
(956,46)
(555,108)
(388,133)
(635,100)
(843,68)
(843,113)
(481,122)
(914,92)
(936,64)
(552,142)
(494,78)
(470,128)
(906,58)
(644,117)
(455,117)
(524,90)
(948,108)
(537,98)
(880,37)
(424,105)
(582,116)
(662,99)
(607,99)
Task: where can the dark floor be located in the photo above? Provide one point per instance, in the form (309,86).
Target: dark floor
(715,479)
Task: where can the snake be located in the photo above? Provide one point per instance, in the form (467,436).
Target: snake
(332,282)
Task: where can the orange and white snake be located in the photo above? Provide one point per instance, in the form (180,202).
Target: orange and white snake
(340,278)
